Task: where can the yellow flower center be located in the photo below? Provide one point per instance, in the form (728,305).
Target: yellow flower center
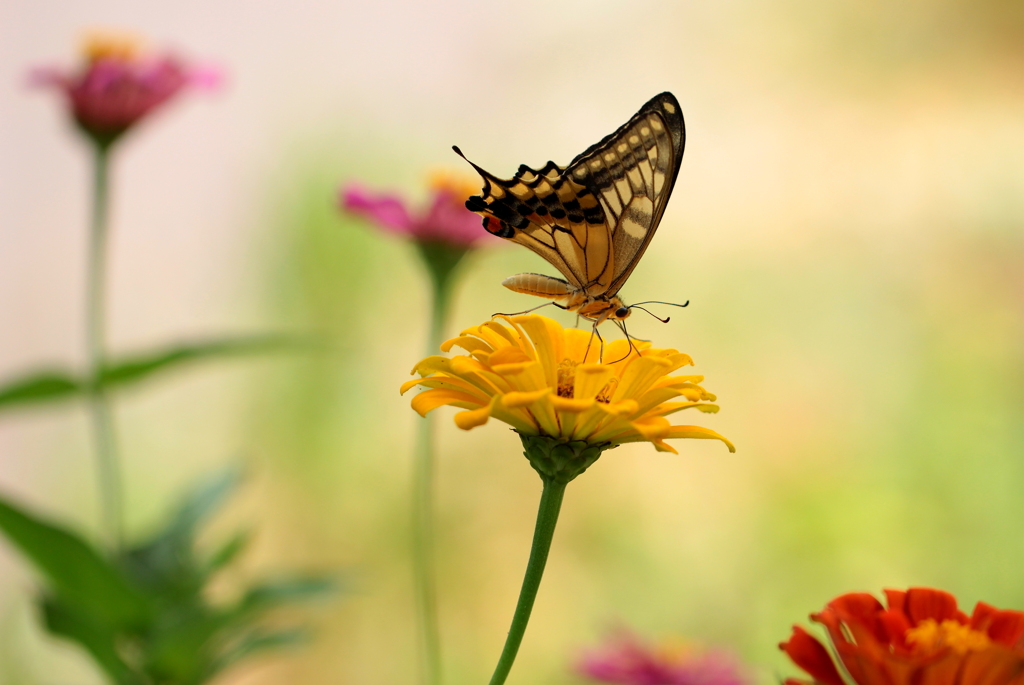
(931,636)
(567,383)
(110,45)
(608,390)
(567,378)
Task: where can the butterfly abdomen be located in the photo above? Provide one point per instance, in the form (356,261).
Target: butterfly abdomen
(539,285)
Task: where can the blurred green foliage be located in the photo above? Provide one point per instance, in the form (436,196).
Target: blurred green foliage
(144,615)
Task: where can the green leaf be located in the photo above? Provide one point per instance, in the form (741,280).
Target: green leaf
(94,636)
(259,641)
(202,503)
(53,386)
(182,650)
(76,572)
(133,369)
(226,553)
(285,591)
(45,386)
(166,563)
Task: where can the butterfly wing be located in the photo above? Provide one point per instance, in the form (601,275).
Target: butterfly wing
(632,172)
(593,219)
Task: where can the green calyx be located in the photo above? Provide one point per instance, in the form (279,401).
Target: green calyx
(560,461)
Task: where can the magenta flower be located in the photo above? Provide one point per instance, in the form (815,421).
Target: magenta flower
(444,220)
(625,660)
(118,85)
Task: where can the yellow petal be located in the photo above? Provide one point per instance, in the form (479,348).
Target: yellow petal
(581,346)
(654,397)
(619,351)
(678,360)
(652,428)
(589,422)
(513,369)
(478,374)
(508,355)
(517,399)
(408,385)
(547,337)
(673,407)
(519,418)
(467,420)
(501,335)
(565,404)
(623,408)
(524,341)
(699,433)
(526,377)
(676,432)
(469,343)
(430,400)
(639,376)
(591,379)
(435,364)
(544,413)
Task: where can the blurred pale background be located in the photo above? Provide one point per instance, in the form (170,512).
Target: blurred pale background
(847,225)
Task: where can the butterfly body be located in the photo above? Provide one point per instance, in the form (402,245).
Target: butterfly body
(573,299)
(593,219)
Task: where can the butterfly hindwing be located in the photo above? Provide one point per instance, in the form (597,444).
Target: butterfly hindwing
(593,219)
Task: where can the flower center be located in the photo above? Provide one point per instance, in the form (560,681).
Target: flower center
(931,636)
(455,184)
(608,390)
(567,378)
(122,47)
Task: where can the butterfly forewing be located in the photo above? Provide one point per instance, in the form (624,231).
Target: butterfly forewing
(593,219)
(632,172)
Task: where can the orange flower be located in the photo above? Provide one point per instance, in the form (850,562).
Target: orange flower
(921,638)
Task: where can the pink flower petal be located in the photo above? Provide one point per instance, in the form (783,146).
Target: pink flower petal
(109,94)
(625,660)
(385,210)
(448,220)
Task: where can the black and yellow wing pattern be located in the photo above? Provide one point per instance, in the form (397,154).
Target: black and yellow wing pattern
(593,219)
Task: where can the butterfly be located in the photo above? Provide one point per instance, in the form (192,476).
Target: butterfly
(593,219)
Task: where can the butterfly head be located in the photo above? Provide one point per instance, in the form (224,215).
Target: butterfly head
(601,308)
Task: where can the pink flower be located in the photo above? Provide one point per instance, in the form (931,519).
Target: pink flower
(445,219)
(625,660)
(118,85)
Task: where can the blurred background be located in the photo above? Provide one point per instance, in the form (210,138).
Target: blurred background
(847,226)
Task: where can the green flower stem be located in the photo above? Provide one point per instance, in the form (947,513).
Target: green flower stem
(547,517)
(441,261)
(108,470)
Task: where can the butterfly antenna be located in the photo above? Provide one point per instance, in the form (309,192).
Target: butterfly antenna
(671,304)
(644,309)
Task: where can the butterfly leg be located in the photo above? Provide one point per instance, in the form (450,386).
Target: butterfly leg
(622,326)
(594,332)
(531,309)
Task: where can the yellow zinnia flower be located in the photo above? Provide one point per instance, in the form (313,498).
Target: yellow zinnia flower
(545,380)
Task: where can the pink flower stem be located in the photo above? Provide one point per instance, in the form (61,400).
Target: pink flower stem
(440,261)
(108,470)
